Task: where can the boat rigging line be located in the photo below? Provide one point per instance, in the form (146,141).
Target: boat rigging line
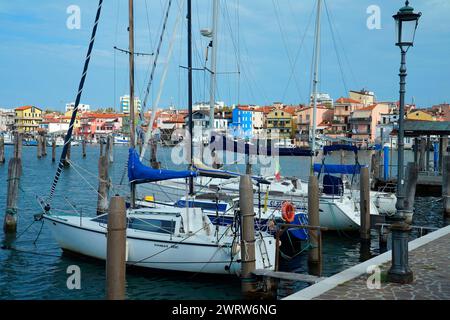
(68,136)
(155,62)
(135,53)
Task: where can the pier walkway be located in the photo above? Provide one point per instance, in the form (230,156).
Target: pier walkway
(429,259)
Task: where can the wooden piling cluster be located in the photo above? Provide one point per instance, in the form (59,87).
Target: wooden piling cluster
(14,174)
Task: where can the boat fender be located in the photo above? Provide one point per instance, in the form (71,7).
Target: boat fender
(235,249)
(287,211)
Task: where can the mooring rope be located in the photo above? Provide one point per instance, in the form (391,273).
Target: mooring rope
(75,110)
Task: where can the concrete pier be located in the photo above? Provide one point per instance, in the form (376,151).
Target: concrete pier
(428,258)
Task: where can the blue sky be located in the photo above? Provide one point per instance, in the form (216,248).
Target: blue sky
(41,59)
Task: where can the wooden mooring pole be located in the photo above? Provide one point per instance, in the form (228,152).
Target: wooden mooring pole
(116,250)
(422,147)
(83,148)
(364,205)
(14,173)
(53,149)
(153,154)
(314,256)
(109,148)
(44,146)
(446,185)
(39,146)
(100,141)
(248,265)
(66,161)
(103,185)
(412,174)
(2,149)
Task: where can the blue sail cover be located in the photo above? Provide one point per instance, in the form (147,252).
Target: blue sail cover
(336,147)
(338,168)
(139,173)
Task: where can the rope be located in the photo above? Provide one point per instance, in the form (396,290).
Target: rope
(155,61)
(75,110)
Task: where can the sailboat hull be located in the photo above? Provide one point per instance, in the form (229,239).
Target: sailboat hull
(163,252)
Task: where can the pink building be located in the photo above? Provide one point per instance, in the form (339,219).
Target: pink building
(305,117)
(98,124)
(363,122)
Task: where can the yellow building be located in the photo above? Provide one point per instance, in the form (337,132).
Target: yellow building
(68,116)
(27,118)
(280,124)
(364,97)
(420,115)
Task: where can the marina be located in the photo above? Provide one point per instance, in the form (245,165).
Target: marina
(341,250)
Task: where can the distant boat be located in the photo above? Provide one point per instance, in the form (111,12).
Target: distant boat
(29,143)
(60,142)
(121,139)
(8,139)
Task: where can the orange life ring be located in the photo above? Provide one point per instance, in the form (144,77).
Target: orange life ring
(287,211)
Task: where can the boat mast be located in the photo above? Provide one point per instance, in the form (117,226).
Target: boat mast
(189,56)
(212,92)
(315,82)
(132,106)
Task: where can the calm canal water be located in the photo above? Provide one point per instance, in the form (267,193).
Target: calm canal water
(38,270)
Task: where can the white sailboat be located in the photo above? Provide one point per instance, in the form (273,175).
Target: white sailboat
(165,237)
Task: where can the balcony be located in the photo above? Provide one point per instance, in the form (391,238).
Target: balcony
(360,120)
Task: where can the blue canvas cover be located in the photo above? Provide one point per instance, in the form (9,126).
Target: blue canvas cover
(336,147)
(338,168)
(139,173)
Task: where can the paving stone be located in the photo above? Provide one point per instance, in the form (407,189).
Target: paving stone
(431,267)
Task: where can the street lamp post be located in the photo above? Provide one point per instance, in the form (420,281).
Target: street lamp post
(400,272)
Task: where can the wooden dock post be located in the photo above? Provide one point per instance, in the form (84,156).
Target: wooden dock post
(364,205)
(44,146)
(39,146)
(446,185)
(154,154)
(314,256)
(100,141)
(416,150)
(375,166)
(248,265)
(103,185)
(386,175)
(422,147)
(444,145)
(412,174)
(66,161)
(139,142)
(2,149)
(109,151)
(14,173)
(83,148)
(53,149)
(427,166)
(116,249)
